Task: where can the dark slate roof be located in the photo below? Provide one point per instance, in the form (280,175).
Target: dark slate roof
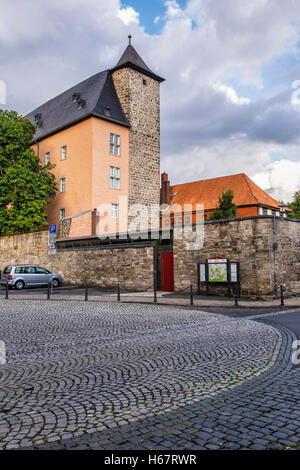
(131,58)
(98,92)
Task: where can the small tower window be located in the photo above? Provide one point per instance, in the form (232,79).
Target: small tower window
(144,81)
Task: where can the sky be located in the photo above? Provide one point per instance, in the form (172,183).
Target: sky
(231,100)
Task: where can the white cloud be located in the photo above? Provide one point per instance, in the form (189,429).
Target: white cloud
(280,178)
(156,19)
(129,15)
(173,8)
(206,127)
(230,94)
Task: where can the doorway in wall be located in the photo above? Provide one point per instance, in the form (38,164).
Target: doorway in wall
(167,271)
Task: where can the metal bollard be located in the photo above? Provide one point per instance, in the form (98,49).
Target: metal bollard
(119,293)
(281,297)
(86,295)
(155,294)
(6,291)
(192,296)
(49,291)
(236,302)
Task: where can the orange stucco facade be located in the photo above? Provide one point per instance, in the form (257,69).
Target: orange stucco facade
(86,170)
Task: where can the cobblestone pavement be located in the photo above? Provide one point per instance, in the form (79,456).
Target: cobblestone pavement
(115,376)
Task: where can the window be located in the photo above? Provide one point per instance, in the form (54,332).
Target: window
(62,185)
(19,270)
(7,270)
(114,177)
(115,144)
(40,270)
(29,270)
(63,152)
(167,223)
(47,158)
(62,213)
(187,220)
(260,211)
(115,211)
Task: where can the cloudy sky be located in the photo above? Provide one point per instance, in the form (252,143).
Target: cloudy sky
(231,100)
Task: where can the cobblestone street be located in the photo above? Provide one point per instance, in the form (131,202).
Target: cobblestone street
(131,376)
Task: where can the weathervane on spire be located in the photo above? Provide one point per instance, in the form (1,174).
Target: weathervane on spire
(129,37)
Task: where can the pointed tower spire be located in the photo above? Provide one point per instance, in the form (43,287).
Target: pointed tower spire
(130,58)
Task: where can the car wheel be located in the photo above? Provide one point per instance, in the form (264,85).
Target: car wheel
(19,285)
(55,282)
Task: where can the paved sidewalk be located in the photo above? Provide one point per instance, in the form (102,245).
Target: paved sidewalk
(163,298)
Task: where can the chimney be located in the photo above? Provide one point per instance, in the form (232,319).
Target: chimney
(165,189)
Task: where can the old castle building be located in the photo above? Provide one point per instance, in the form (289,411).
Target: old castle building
(103,136)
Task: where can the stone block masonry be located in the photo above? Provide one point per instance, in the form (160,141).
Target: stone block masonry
(267,248)
(140,99)
(131,267)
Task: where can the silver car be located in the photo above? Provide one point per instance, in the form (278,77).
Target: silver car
(23,275)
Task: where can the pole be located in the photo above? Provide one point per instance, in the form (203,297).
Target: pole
(192,296)
(48,291)
(236,302)
(6,290)
(281,297)
(86,296)
(119,293)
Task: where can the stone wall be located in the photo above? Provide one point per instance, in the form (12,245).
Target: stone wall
(267,259)
(140,99)
(131,267)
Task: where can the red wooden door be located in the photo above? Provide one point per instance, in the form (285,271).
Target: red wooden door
(167,272)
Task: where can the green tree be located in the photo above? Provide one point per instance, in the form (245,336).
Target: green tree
(295,206)
(226,209)
(25,184)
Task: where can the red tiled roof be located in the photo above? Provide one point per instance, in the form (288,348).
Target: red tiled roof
(207,192)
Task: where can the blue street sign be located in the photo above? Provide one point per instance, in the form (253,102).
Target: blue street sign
(52,229)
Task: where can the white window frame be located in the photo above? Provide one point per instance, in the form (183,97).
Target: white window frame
(115,177)
(62,185)
(47,157)
(115,211)
(115,144)
(62,211)
(63,152)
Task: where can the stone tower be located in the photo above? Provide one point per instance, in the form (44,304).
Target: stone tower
(138,90)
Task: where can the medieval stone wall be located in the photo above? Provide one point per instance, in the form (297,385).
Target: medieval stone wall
(131,267)
(268,255)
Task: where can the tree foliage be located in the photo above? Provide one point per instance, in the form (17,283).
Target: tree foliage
(25,184)
(226,209)
(295,206)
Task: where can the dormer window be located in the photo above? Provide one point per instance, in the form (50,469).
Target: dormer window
(75,97)
(107,111)
(81,103)
(38,120)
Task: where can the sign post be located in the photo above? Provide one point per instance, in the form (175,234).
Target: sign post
(52,247)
